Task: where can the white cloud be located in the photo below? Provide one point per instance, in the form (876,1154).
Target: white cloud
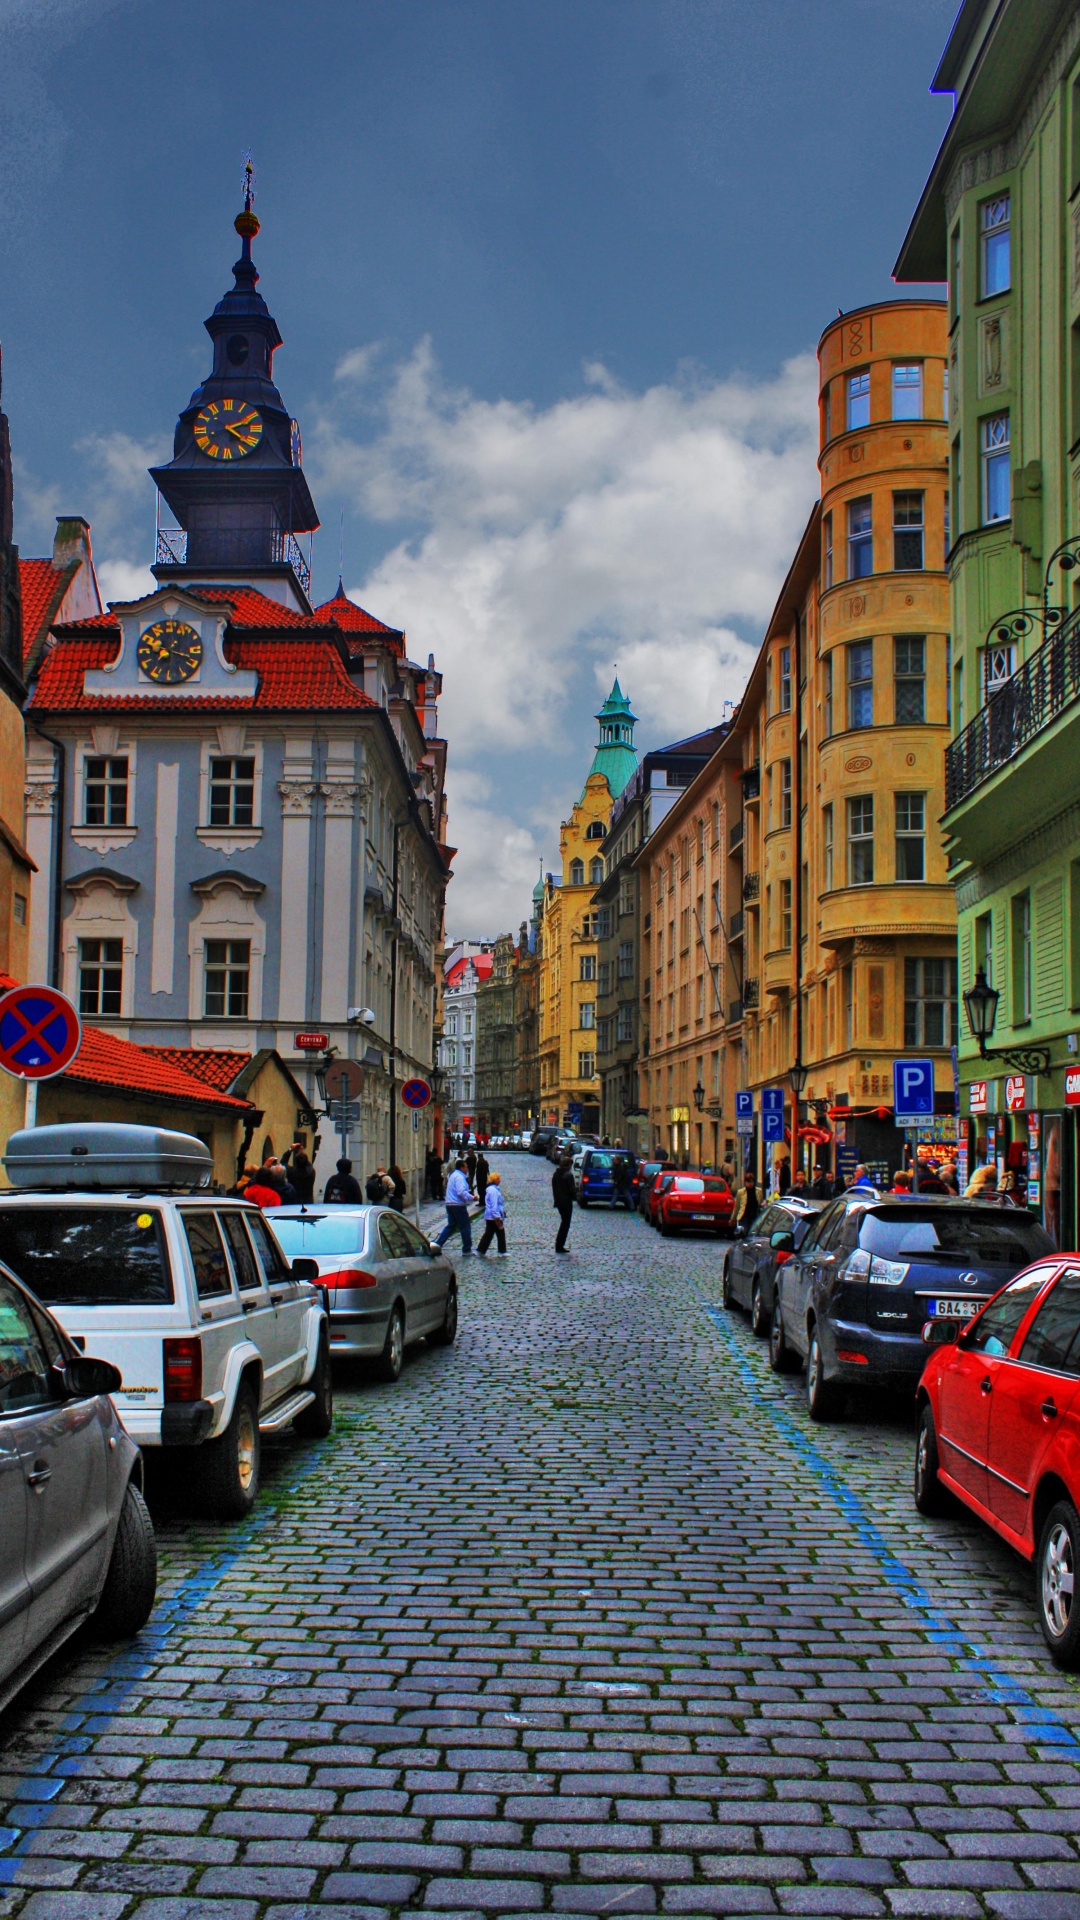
(645,528)
(123,580)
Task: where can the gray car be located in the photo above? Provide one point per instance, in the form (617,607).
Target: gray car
(75,1537)
(751,1263)
(387,1283)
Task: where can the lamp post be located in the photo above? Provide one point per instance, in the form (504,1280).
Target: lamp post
(981,1005)
(797,1078)
(699,1096)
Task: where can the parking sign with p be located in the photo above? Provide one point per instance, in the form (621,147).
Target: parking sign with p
(913,1091)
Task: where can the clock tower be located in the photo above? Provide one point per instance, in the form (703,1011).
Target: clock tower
(235,483)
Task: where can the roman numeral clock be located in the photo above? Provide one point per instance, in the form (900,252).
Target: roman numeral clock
(227,429)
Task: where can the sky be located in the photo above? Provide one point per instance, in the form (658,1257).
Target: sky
(550,276)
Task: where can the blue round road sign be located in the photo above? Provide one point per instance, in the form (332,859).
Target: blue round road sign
(416,1093)
(40,1033)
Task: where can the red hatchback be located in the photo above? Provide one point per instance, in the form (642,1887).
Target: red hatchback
(999,1426)
(702,1200)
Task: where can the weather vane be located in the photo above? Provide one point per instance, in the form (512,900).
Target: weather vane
(249,178)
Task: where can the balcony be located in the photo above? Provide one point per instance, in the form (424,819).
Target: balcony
(736,925)
(734,1012)
(234,549)
(1033,720)
(751,782)
(750,993)
(735,836)
(751,886)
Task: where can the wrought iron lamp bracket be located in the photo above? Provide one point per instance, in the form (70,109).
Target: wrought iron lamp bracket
(1027,1060)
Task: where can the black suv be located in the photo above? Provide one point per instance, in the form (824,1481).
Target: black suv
(853,1298)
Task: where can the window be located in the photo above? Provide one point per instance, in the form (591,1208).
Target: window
(596,872)
(826,416)
(1021,958)
(858,400)
(1052,1341)
(827,848)
(909,679)
(827,551)
(101,977)
(785,793)
(999,665)
(860,539)
(984,946)
(588,1014)
(603,978)
(207,1254)
(907,390)
(785,679)
(18,909)
(995,468)
(603,1037)
(586,1066)
(626,960)
(232,792)
(247,1273)
(860,813)
(105,791)
(785,913)
(603,923)
(577,873)
(678,777)
(468,1023)
(228,975)
(860,666)
(624,1021)
(594,830)
(946,523)
(911,836)
(626,896)
(930,1008)
(588,966)
(24,1362)
(994,235)
(907,513)
(826,670)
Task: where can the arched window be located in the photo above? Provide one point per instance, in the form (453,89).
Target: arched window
(577,873)
(594,830)
(596,872)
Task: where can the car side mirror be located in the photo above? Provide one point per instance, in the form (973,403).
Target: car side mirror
(782,1241)
(81,1378)
(304,1269)
(941,1333)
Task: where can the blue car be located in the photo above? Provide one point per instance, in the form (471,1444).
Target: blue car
(596,1177)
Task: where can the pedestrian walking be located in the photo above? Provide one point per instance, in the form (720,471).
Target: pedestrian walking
(378,1187)
(494,1216)
(783,1176)
(481,1176)
(344,1186)
(400,1185)
(470,1166)
(562,1198)
(457,1208)
(748,1204)
(433,1166)
(620,1174)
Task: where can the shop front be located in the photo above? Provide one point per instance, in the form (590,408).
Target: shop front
(1027,1127)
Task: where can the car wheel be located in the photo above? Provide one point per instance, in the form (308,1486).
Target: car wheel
(230,1465)
(317,1420)
(445,1335)
(781,1358)
(1055,1571)
(127,1597)
(759,1319)
(392,1358)
(820,1393)
(726,1294)
(930,1496)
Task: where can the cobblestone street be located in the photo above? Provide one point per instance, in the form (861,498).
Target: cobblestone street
(582,1616)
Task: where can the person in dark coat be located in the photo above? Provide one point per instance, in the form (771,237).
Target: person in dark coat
(343,1185)
(783,1175)
(562,1198)
(822,1188)
(401,1187)
(301,1173)
(481,1176)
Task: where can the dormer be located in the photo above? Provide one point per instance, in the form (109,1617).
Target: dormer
(171,644)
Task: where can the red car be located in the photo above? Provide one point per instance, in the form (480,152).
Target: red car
(999,1426)
(702,1200)
(651,1204)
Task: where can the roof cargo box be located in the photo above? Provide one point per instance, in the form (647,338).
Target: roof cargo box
(99,1154)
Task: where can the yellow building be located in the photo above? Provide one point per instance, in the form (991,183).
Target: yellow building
(849,921)
(569,1084)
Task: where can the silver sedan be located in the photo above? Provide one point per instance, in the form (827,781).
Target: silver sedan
(387,1283)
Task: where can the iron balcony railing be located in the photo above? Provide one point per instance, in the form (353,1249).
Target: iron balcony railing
(750,993)
(751,781)
(735,925)
(1038,692)
(751,886)
(171,547)
(735,838)
(172,551)
(734,1012)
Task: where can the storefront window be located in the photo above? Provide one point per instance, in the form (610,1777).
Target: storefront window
(1051,1172)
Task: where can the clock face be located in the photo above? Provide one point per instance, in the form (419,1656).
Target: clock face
(169,651)
(227,429)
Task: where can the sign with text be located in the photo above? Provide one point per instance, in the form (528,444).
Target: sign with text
(772,1114)
(744,1111)
(1015,1093)
(913,1091)
(979,1097)
(311,1042)
(1072,1086)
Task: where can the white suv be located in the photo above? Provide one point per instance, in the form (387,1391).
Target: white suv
(217,1336)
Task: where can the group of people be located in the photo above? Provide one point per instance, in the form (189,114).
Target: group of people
(290,1182)
(472,1180)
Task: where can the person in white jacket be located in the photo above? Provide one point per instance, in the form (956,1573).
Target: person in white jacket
(458,1196)
(494,1216)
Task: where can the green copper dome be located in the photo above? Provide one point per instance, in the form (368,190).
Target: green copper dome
(616,756)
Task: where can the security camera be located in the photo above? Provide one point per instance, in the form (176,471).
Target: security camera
(363,1016)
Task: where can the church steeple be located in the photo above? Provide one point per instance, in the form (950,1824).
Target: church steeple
(235,482)
(616,755)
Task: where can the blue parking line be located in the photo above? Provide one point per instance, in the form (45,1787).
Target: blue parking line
(1038,1723)
(32,1800)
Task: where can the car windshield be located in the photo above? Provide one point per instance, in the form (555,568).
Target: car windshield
(975,1236)
(312,1234)
(86,1256)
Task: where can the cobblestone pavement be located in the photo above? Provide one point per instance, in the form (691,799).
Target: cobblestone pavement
(581,1617)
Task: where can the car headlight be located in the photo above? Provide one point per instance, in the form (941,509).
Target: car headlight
(887,1273)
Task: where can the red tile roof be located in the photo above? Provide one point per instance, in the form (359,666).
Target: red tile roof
(43,586)
(216,1066)
(104,1060)
(345,613)
(294,675)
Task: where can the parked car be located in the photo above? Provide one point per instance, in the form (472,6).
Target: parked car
(540,1140)
(751,1263)
(659,1186)
(75,1538)
(999,1427)
(648,1170)
(596,1180)
(218,1338)
(853,1298)
(695,1200)
(388,1285)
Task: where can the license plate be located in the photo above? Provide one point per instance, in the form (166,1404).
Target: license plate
(701,1216)
(952,1309)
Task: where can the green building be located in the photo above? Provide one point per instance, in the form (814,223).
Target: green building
(999,219)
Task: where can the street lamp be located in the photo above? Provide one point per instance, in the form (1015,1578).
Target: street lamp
(980,1005)
(699,1096)
(797,1077)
